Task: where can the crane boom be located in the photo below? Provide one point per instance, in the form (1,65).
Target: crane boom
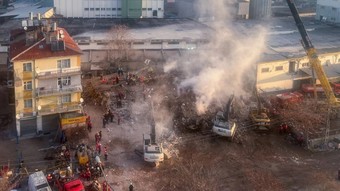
(312,55)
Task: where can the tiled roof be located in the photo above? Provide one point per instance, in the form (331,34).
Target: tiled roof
(40,49)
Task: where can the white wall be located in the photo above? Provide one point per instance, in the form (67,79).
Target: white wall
(104,8)
(88,8)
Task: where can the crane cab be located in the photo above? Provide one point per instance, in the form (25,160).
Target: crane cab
(153,152)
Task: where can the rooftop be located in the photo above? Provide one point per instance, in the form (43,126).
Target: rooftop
(283,38)
(40,49)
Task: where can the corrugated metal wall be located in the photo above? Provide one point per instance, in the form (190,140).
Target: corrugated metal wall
(260,9)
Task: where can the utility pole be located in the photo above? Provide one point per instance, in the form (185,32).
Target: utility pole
(328,124)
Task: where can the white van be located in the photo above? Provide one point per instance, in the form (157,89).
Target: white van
(38,182)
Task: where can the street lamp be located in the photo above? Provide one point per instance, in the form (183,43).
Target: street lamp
(81,100)
(39,108)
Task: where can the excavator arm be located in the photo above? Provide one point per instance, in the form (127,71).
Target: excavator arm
(312,55)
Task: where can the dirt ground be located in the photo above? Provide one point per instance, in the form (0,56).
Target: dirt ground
(199,160)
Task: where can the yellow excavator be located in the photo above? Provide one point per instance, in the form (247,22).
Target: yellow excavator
(313,56)
(259,115)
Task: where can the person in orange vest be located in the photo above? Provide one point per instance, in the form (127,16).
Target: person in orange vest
(99,148)
(106,187)
(88,174)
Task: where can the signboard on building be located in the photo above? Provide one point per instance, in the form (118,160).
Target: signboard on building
(67,123)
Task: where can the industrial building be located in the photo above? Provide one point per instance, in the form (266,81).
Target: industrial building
(328,11)
(110,8)
(260,9)
(284,65)
(46,76)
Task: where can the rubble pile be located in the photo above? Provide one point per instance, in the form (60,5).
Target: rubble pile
(308,117)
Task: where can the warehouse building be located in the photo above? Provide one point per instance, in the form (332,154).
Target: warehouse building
(110,8)
(328,11)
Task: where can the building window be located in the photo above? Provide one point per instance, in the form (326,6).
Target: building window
(150,9)
(97,9)
(144,9)
(278,68)
(119,9)
(64,81)
(108,9)
(305,64)
(264,70)
(113,9)
(103,9)
(28,85)
(86,9)
(66,98)
(65,63)
(27,67)
(28,103)
(91,9)
(159,9)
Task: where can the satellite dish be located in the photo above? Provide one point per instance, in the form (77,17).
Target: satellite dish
(25,28)
(61,32)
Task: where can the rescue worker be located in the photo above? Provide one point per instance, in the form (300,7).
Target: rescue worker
(49,179)
(104,122)
(118,120)
(105,153)
(110,115)
(88,174)
(283,128)
(99,148)
(106,187)
(100,135)
(300,139)
(131,187)
(69,173)
(96,136)
(89,126)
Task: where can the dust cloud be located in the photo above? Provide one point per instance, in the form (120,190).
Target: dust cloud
(226,64)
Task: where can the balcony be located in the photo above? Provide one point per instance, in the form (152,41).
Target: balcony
(58,73)
(59,108)
(42,92)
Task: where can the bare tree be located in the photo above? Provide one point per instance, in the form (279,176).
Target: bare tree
(119,44)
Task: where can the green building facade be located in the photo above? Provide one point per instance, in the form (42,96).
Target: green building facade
(131,8)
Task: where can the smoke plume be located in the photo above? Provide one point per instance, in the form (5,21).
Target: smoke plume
(224,65)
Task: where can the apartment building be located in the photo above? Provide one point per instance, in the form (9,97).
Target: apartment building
(46,74)
(110,8)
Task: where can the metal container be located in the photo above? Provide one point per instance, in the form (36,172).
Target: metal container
(260,9)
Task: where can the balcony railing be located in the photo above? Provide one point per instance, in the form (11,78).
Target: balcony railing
(57,72)
(41,92)
(67,107)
